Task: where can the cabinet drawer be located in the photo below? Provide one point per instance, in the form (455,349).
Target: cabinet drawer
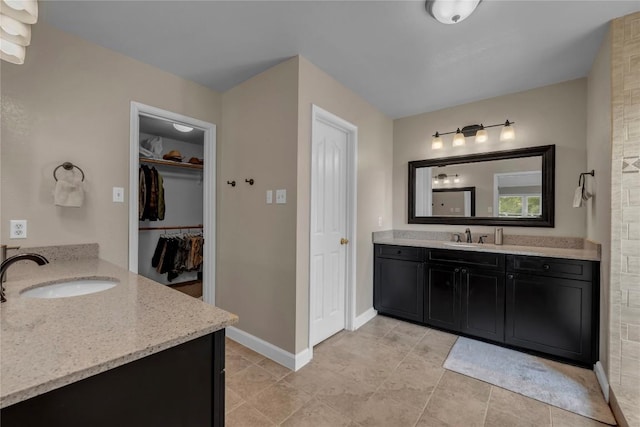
(408,253)
(483,259)
(553,267)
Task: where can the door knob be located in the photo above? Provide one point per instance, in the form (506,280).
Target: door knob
(344,241)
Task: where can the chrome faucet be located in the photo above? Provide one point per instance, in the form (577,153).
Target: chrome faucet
(38,259)
(467,232)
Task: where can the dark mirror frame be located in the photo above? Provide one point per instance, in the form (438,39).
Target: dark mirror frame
(548,153)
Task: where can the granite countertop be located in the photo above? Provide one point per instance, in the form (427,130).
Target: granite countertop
(48,343)
(587,254)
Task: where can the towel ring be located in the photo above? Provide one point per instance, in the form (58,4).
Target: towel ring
(67,166)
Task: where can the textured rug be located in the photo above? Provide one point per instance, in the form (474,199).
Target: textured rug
(565,386)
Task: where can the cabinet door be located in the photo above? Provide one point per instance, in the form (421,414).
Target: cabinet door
(441,302)
(550,315)
(399,288)
(482,303)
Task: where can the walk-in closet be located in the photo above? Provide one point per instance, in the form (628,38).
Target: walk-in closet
(170,204)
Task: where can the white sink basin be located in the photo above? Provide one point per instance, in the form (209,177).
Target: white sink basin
(460,245)
(71,288)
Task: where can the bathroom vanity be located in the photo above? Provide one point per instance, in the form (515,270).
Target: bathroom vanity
(536,299)
(136,354)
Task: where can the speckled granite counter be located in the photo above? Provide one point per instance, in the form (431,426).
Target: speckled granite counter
(48,343)
(589,253)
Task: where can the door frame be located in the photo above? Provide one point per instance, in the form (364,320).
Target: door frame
(320,115)
(209,190)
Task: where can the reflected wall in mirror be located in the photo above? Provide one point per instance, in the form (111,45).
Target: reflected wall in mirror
(514,187)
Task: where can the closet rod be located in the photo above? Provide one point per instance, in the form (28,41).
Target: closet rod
(176,227)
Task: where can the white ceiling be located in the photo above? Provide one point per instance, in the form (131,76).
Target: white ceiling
(392,53)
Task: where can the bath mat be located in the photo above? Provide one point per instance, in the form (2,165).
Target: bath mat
(568,387)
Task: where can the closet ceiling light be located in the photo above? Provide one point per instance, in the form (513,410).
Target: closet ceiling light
(14,30)
(182,128)
(21,10)
(451,11)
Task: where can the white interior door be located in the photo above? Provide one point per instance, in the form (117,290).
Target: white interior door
(328,230)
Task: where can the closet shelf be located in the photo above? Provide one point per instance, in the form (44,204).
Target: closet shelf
(172,227)
(170,163)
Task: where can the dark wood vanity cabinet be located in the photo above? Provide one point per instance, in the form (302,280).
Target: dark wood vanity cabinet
(179,386)
(548,305)
(552,306)
(399,281)
(465,293)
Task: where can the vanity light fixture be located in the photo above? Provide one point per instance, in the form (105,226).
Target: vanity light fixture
(451,11)
(16,17)
(182,128)
(479,131)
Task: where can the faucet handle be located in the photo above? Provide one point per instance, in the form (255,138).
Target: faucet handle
(456,237)
(481,238)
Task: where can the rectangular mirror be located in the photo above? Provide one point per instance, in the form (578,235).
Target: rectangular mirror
(507,188)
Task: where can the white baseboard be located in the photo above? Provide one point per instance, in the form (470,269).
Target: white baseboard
(278,355)
(602,379)
(364,318)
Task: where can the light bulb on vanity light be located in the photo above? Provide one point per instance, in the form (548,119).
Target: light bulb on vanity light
(458,139)
(507,133)
(481,135)
(436,142)
(456,179)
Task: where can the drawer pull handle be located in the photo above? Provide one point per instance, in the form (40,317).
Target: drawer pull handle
(510,276)
(399,252)
(456,270)
(464,270)
(546,266)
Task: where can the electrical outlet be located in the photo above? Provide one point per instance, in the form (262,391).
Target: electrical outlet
(269,197)
(281,197)
(18,229)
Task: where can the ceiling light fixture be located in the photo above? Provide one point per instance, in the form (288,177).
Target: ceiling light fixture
(451,11)
(479,131)
(16,17)
(182,128)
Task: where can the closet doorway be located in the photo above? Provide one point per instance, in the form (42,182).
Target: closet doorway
(172,200)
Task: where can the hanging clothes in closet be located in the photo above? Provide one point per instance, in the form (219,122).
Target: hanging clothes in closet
(176,254)
(151,194)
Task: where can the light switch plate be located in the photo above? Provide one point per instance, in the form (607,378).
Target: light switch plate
(18,229)
(118,195)
(269,197)
(281,197)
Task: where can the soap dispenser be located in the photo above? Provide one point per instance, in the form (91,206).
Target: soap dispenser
(498,236)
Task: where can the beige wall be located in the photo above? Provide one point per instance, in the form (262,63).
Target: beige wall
(599,159)
(553,114)
(70,101)
(256,276)
(374,182)
(624,340)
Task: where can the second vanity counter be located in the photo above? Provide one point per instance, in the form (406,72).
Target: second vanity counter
(586,254)
(48,343)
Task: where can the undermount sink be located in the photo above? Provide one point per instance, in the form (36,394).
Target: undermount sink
(70,288)
(461,245)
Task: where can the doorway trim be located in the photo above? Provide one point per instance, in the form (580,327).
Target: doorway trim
(209,190)
(320,115)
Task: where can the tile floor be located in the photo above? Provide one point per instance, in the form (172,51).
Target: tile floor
(388,373)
